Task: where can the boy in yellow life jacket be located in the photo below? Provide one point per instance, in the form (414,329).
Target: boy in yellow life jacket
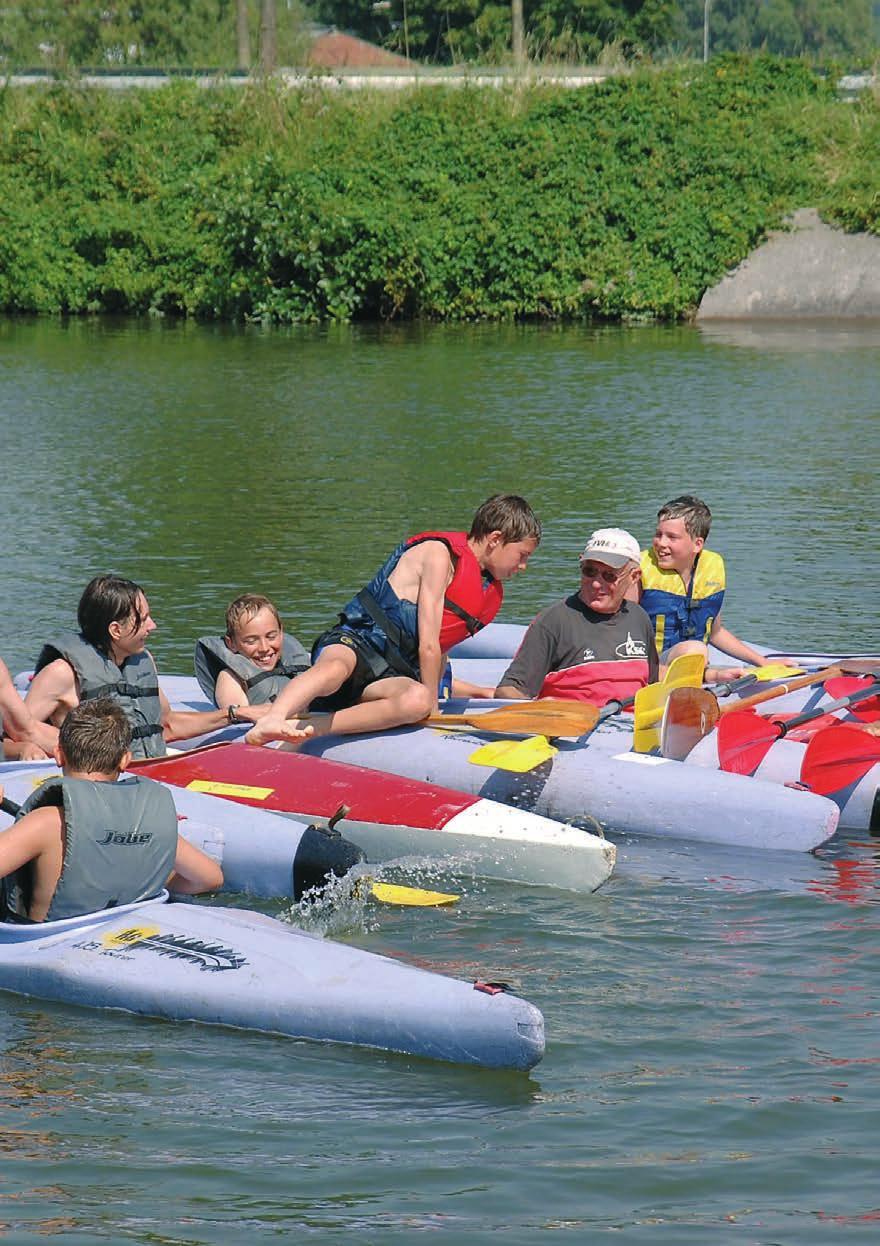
(683,586)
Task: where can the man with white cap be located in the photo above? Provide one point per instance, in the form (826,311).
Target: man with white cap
(594,645)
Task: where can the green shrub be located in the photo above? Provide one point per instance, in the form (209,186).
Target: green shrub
(623,200)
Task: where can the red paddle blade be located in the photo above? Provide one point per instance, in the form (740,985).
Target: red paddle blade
(838,757)
(744,740)
(867,711)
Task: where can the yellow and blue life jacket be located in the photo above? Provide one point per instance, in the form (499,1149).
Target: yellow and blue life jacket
(680,613)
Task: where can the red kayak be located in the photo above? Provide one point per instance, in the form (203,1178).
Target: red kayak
(392,817)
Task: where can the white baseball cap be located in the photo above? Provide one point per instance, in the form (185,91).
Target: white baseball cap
(613,546)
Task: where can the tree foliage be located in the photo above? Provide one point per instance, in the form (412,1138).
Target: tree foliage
(158,33)
(821,29)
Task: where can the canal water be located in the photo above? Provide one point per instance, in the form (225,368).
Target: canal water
(712,1070)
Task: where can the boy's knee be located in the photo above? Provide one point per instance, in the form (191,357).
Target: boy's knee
(416,703)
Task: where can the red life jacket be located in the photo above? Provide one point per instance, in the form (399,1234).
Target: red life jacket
(470,603)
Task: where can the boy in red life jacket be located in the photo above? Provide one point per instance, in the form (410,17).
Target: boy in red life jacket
(594,645)
(381,665)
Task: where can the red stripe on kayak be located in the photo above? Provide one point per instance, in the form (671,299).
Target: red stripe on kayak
(313,786)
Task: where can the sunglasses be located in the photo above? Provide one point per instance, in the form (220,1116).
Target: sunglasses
(593,571)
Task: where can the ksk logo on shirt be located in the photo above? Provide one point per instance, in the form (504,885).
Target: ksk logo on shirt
(630,648)
(589,656)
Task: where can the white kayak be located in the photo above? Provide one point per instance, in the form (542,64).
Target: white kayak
(193,962)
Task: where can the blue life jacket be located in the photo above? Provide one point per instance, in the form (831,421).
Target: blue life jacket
(680,613)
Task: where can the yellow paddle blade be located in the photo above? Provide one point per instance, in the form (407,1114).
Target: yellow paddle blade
(776,670)
(388,893)
(684,672)
(519,756)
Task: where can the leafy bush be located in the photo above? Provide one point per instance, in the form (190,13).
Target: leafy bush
(624,200)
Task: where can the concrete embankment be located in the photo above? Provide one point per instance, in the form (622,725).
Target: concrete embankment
(811,270)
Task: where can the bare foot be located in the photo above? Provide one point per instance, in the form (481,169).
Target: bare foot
(291,731)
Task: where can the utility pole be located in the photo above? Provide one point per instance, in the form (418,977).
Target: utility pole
(242,34)
(268,36)
(706,4)
(517,39)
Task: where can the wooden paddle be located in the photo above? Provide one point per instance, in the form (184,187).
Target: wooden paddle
(691,713)
(745,738)
(547,717)
(524,755)
(839,756)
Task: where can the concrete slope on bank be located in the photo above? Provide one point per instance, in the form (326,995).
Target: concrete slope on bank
(811,271)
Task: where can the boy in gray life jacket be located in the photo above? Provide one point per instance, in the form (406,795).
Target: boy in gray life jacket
(253,661)
(108,656)
(84,842)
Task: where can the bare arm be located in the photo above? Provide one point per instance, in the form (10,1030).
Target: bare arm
(53,692)
(37,837)
(463,688)
(27,737)
(194,870)
(229,690)
(725,640)
(181,724)
(435,576)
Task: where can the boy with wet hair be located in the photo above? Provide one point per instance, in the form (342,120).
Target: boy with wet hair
(254,660)
(108,656)
(683,586)
(85,842)
(380,665)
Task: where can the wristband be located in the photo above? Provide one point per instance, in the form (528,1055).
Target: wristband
(232,714)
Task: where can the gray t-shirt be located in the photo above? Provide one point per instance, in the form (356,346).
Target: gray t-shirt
(570,651)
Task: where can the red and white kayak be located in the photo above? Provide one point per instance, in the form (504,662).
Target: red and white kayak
(391,817)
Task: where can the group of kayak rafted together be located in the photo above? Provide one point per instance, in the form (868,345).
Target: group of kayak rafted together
(96,838)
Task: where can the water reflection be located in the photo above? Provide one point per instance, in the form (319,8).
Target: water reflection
(799,336)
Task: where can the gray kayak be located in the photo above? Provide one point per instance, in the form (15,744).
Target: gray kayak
(231,967)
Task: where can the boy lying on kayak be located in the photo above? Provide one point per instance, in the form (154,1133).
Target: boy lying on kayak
(594,645)
(381,665)
(254,660)
(682,588)
(108,656)
(85,842)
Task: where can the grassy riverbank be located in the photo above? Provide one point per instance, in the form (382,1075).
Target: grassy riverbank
(621,200)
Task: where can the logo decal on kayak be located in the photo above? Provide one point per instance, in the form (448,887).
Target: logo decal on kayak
(209,957)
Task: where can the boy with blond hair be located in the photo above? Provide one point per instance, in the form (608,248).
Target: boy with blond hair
(683,586)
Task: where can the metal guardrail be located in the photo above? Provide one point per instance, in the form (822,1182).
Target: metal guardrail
(343,79)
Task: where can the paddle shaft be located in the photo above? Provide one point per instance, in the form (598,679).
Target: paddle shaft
(863,694)
(9,806)
(792,685)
